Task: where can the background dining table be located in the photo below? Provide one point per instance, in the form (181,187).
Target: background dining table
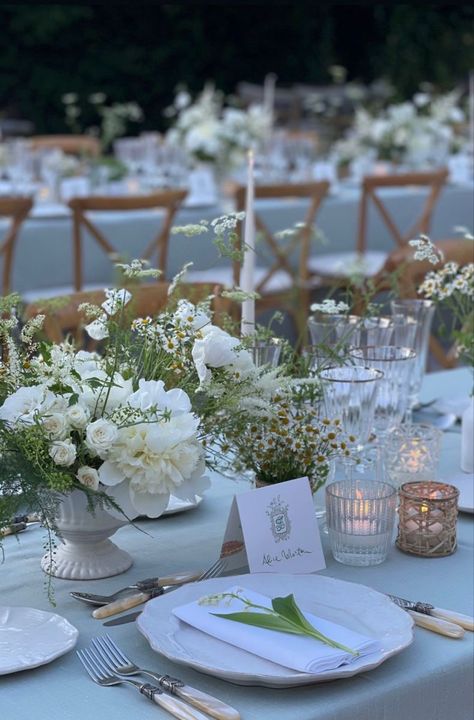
(44,259)
(430,680)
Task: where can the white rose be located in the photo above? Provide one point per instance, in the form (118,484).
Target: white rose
(89,477)
(100,436)
(78,416)
(55,425)
(63,452)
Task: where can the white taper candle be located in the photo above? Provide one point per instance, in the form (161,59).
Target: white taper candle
(269,96)
(247,272)
(471,114)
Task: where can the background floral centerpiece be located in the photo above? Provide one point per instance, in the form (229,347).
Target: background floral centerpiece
(210,132)
(415,132)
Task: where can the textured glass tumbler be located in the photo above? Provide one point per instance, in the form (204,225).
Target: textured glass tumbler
(349,396)
(412,453)
(420,311)
(266,352)
(396,363)
(373,331)
(360,518)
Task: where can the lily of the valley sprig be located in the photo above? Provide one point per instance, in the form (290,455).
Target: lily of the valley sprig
(284,616)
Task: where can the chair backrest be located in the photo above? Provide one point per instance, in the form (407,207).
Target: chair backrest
(300,241)
(167,200)
(17,209)
(63,317)
(432,181)
(69,144)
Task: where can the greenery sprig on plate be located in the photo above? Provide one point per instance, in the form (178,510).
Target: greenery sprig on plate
(284,616)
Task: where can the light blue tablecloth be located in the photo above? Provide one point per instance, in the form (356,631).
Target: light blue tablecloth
(43,256)
(430,680)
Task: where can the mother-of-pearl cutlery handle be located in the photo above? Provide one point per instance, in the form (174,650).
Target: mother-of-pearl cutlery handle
(210,705)
(181,578)
(465,621)
(119,606)
(207,703)
(174,706)
(437,625)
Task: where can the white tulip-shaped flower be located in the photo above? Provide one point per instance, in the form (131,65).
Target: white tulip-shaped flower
(152,396)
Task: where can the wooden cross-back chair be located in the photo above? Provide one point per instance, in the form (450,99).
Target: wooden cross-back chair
(167,200)
(63,318)
(69,144)
(17,209)
(283,285)
(336,269)
(433,181)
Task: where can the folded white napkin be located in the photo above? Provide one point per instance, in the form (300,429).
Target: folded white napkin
(297,652)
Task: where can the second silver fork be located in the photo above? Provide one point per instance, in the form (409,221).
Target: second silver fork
(101,674)
(122,665)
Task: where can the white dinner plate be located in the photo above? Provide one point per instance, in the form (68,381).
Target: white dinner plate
(176,505)
(356,606)
(465,484)
(30,637)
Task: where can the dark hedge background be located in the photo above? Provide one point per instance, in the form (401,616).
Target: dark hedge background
(141,52)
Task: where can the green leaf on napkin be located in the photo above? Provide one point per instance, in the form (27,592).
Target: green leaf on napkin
(285,616)
(269,622)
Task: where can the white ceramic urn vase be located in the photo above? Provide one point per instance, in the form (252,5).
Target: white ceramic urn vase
(84,551)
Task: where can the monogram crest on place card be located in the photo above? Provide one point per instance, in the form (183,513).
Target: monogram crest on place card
(280,523)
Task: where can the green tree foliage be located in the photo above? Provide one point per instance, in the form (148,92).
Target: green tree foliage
(141,52)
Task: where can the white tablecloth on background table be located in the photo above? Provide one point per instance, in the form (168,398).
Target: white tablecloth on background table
(430,680)
(43,256)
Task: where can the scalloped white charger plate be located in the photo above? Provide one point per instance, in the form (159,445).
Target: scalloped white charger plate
(31,637)
(176,505)
(355,606)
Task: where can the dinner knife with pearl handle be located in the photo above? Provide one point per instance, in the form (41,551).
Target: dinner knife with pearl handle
(442,627)
(465,621)
(126,603)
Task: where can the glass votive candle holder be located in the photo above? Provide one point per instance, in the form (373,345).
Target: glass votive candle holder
(411,453)
(427,518)
(360,519)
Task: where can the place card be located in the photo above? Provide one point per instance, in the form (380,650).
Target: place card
(274,529)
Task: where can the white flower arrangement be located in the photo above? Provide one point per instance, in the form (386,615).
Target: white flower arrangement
(210,132)
(140,446)
(415,133)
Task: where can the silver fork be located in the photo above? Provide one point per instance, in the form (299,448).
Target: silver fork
(214,570)
(101,675)
(119,606)
(122,665)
